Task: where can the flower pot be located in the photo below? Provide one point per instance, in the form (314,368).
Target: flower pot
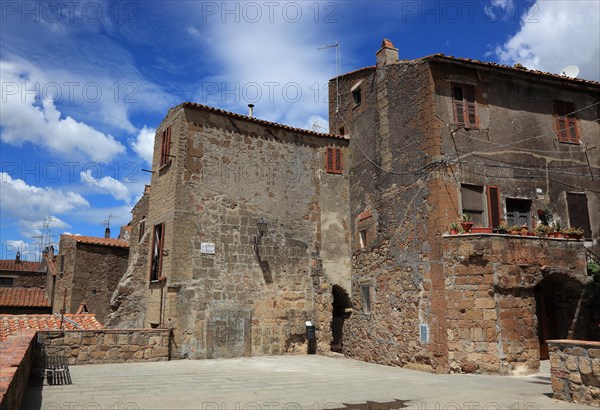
(467,226)
(453,231)
(478,229)
(558,235)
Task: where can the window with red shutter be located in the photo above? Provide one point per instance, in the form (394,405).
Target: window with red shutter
(566,121)
(494,206)
(165,147)
(333,160)
(463,101)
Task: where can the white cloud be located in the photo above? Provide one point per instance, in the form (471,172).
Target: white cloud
(192,31)
(143,144)
(48,228)
(275,65)
(106,184)
(28,250)
(317,123)
(31,203)
(499,9)
(555,34)
(25,120)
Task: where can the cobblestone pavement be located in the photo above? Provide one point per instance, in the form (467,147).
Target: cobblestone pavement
(287,382)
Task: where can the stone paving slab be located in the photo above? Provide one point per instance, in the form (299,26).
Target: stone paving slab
(286,382)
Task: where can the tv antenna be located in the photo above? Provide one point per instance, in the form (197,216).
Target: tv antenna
(106,223)
(316,126)
(571,71)
(338,66)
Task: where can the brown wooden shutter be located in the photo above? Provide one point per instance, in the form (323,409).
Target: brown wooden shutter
(566,121)
(494,206)
(329,160)
(338,160)
(459,106)
(579,216)
(471,114)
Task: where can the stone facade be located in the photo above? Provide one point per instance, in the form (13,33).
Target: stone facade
(19,273)
(575,367)
(88,271)
(108,345)
(412,165)
(253,295)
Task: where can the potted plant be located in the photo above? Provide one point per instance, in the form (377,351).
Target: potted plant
(503,228)
(466,222)
(543,231)
(524,230)
(557,228)
(454,228)
(573,233)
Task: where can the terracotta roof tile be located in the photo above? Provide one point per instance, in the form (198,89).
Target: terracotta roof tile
(14,324)
(259,121)
(93,240)
(21,266)
(23,297)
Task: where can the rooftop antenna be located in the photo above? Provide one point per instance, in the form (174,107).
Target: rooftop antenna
(316,126)
(106,222)
(338,66)
(571,71)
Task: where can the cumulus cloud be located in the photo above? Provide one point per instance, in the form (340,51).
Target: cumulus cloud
(499,9)
(30,203)
(556,34)
(28,250)
(107,185)
(24,119)
(143,144)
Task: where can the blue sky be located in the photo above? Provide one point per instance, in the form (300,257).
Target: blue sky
(85,84)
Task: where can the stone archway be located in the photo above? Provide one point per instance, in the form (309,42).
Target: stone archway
(342,307)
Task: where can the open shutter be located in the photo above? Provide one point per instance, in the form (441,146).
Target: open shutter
(329,160)
(459,106)
(338,160)
(471,114)
(494,206)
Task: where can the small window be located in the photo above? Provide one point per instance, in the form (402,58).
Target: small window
(362,238)
(566,121)
(142,230)
(6,282)
(473,202)
(463,101)
(365,292)
(356,96)
(157,252)
(342,131)
(165,147)
(62,264)
(579,216)
(333,161)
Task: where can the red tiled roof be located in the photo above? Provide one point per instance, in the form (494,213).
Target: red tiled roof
(93,240)
(11,324)
(517,69)
(21,266)
(259,121)
(23,297)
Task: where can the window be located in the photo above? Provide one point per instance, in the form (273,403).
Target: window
(493,197)
(165,147)
(566,121)
(6,281)
(356,96)
(365,292)
(157,251)
(472,202)
(342,131)
(579,216)
(463,100)
(142,230)
(518,212)
(333,163)
(62,264)
(362,238)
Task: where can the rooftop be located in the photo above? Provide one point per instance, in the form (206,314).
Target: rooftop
(14,324)
(93,240)
(13,265)
(23,297)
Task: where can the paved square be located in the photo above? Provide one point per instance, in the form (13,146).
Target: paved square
(286,382)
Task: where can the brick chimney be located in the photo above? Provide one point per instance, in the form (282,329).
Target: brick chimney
(18,257)
(387,54)
(107,233)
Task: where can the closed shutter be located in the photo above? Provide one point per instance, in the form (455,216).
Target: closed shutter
(333,160)
(338,160)
(470,102)
(459,106)
(579,216)
(566,121)
(494,206)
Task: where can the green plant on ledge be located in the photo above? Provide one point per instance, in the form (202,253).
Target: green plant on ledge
(466,217)
(593,269)
(503,228)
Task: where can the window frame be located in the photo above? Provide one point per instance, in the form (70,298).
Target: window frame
(581,209)
(478,213)
(7,282)
(491,202)
(565,120)
(366,302)
(141,229)
(334,160)
(157,250)
(165,147)
(464,105)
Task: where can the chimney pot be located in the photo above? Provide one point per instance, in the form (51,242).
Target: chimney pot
(387,54)
(18,257)
(107,233)
(250,110)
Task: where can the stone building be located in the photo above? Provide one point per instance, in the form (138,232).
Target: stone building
(17,272)
(86,270)
(243,237)
(432,138)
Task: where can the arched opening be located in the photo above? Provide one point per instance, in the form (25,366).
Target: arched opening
(562,311)
(342,309)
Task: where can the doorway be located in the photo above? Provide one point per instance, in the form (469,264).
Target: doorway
(342,309)
(518,212)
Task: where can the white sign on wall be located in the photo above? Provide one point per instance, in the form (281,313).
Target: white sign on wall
(207,247)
